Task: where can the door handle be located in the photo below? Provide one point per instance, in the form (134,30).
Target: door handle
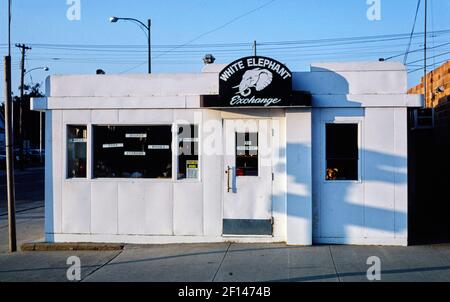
(228,172)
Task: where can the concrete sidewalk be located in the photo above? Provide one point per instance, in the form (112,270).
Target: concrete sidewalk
(218,262)
(232,262)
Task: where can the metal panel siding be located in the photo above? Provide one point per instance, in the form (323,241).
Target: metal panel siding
(188,208)
(104,207)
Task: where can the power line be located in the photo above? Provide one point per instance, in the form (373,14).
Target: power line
(359,39)
(412,32)
(421,67)
(209,32)
(429,58)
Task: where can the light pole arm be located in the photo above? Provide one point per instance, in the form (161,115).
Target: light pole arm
(135,20)
(147,27)
(43,68)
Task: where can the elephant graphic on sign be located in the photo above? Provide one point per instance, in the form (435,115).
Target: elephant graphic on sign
(257,78)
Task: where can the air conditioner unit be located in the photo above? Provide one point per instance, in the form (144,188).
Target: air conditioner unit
(423,118)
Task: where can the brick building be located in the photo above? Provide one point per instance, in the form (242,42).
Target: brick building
(438,85)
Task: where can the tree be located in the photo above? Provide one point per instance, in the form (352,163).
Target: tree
(30,119)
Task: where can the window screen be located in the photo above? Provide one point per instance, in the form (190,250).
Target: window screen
(188,163)
(246,154)
(342,151)
(76,151)
(133,151)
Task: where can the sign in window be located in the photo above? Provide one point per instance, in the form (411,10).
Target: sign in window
(188,162)
(246,154)
(133,151)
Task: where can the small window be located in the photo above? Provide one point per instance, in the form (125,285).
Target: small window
(76,151)
(133,151)
(341,152)
(247,154)
(188,163)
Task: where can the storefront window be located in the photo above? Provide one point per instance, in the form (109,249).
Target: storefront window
(133,151)
(342,152)
(188,163)
(247,154)
(76,151)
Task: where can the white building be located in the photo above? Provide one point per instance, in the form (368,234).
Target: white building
(303,157)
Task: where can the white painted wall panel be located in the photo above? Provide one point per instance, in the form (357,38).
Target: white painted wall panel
(379,179)
(158,208)
(340,205)
(76,206)
(131,204)
(53,171)
(135,84)
(212,173)
(105,116)
(401,172)
(104,207)
(188,208)
(299,176)
(317,176)
(279,199)
(76,116)
(146,116)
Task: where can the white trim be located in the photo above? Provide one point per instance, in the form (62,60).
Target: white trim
(399,241)
(155,239)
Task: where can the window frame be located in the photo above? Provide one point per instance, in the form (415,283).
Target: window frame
(106,179)
(257,131)
(359,124)
(175,165)
(66,152)
(90,154)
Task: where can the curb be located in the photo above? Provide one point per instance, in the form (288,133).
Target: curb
(69,246)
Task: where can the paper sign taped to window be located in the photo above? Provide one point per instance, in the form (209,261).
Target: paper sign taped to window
(136,135)
(118,145)
(159,147)
(77,140)
(247,148)
(191,168)
(189,139)
(134,153)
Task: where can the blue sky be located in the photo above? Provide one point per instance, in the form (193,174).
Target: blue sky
(176,22)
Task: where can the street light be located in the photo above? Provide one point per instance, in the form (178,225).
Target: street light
(37,68)
(147,27)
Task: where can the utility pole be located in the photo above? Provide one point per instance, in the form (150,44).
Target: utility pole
(23,49)
(254,48)
(9,144)
(149,25)
(425,86)
(9,158)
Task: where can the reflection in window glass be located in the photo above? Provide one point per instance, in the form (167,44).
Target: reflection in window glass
(247,154)
(133,151)
(188,164)
(342,151)
(76,151)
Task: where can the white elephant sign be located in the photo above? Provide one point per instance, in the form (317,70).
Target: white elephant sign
(255,82)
